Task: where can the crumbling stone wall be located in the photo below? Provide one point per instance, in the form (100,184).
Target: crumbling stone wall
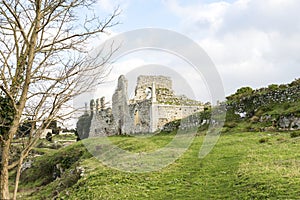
(140,115)
(167,113)
(83,126)
(102,121)
(120,108)
(154,105)
(144,82)
(262,97)
(247,106)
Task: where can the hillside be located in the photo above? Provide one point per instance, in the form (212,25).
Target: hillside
(241,166)
(276,107)
(256,157)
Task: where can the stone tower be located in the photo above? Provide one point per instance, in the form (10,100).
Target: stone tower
(151,83)
(120,109)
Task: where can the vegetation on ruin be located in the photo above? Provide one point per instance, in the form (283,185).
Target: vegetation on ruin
(165,96)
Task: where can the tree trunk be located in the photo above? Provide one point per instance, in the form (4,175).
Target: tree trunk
(18,177)
(41,59)
(6,144)
(4,172)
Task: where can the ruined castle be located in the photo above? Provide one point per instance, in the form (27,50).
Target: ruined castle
(153,105)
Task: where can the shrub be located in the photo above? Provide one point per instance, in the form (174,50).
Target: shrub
(43,168)
(230,124)
(49,136)
(281,139)
(254,119)
(203,127)
(295,134)
(263,140)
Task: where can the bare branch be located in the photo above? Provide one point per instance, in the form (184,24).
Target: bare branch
(16,18)
(44,64)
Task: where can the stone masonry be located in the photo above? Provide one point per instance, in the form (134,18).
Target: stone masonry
(154,105)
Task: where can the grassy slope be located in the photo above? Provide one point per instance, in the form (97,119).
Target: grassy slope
(239,167)
(243,165)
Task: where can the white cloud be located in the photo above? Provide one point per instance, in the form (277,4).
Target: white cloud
(108,5)
(119,68)
(252,42)
(204,16)
(266,16)
(185,79)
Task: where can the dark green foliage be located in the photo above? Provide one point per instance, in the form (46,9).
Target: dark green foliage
(263,140)
(242,92)
(171,126)
(295,134)
(55,131)
(7,113)
(231,116)
(68,179)
(230,124)
(53,124)
(203,127)
(25,128)
(44,167)
(273,87)
(49,136)
(296,82)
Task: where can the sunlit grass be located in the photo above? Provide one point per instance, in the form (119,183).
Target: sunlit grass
(239,167)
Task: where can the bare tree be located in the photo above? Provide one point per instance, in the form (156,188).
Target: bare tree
(43,65)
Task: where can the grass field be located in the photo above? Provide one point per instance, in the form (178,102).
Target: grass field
(245,165)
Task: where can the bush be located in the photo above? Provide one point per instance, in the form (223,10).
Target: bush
(295,134)
(263,140)
(49,145)
(43,167)
(49,136)
(254,119)
(230,124)
(203,127)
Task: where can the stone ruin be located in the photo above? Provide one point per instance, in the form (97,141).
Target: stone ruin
(153,105)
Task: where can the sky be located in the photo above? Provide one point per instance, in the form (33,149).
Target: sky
(251,42)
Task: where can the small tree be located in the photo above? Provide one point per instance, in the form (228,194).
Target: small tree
(43,64)
(49,136)
(241,92)
(244,91)
(273,87)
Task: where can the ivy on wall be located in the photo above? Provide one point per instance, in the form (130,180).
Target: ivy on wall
(7,113)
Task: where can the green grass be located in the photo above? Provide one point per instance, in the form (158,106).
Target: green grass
(64,137)
(239,167)
(41,172)
(277,109)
